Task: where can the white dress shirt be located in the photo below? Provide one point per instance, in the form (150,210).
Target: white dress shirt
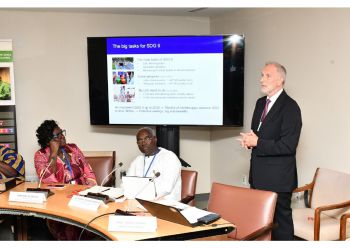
(168,184)
(273,99)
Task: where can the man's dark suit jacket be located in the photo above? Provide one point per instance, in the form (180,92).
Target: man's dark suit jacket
(273,163)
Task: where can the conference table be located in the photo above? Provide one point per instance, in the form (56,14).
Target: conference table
(56,208)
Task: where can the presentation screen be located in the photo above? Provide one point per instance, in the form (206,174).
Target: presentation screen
(166,80)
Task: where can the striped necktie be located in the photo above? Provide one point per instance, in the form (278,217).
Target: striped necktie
(264,113)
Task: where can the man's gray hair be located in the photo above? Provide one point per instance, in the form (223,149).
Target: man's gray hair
(149,130)
(280,69)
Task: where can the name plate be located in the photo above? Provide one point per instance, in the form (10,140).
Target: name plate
(85,202)
(28,197)
(119,223)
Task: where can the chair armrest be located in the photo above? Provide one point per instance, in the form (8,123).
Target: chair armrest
(308,188)
(258,233)
(343,221)
(304,188)
(318,216)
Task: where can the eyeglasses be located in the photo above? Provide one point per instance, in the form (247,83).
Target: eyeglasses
(147,139)
(59,135)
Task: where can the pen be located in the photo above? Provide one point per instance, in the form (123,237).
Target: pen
(112,198)
(134,212)
(104,190)
(119,197)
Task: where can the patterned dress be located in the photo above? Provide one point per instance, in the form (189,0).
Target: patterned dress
(80,172)
(75,170)
(13,159)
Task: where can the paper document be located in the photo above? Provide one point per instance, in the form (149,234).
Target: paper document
(174,211)
(192,214)
(110,191)
(138,187)
(173,203)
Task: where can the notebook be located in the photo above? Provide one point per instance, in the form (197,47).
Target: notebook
(138,187)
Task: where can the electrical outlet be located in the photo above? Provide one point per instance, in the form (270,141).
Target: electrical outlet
(244,180)
(299,196)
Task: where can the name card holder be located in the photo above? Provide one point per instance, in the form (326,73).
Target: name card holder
(28,197)
(85,202)
(119,223)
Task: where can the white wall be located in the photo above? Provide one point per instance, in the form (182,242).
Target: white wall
(314,45)
(51,80)
(195,149)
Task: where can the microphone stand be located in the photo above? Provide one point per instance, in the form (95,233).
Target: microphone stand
(116,168)
(157,174)
(47,192)
(99,195)
(155,189)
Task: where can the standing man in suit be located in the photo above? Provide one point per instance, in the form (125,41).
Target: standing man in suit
(273,138)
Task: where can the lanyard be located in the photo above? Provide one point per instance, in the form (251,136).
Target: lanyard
(66,160)
(144,164)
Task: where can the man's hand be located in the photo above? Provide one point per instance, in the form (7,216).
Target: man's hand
(248,140)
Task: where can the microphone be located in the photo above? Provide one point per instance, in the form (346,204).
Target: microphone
(106,177)
(100,190)
(151,180)
(157,174)
(43,173)
(39,189)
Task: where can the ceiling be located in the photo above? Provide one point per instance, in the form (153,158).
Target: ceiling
(194,12)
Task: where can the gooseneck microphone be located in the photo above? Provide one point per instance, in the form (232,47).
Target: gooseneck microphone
(99,195)
(151,180)
(43,173)
(39,189)
(157,174)
(106,177)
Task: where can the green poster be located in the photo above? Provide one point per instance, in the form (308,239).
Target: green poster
(6,56)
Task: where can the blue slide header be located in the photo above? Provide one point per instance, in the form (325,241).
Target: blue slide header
(165,45)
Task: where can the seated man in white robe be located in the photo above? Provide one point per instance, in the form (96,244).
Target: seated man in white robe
(157,161)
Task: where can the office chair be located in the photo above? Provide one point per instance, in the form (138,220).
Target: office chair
(344,227)
(327,198)
(188,186)
(250,210)
(102,163)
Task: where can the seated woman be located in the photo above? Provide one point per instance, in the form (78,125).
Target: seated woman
(59,162)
